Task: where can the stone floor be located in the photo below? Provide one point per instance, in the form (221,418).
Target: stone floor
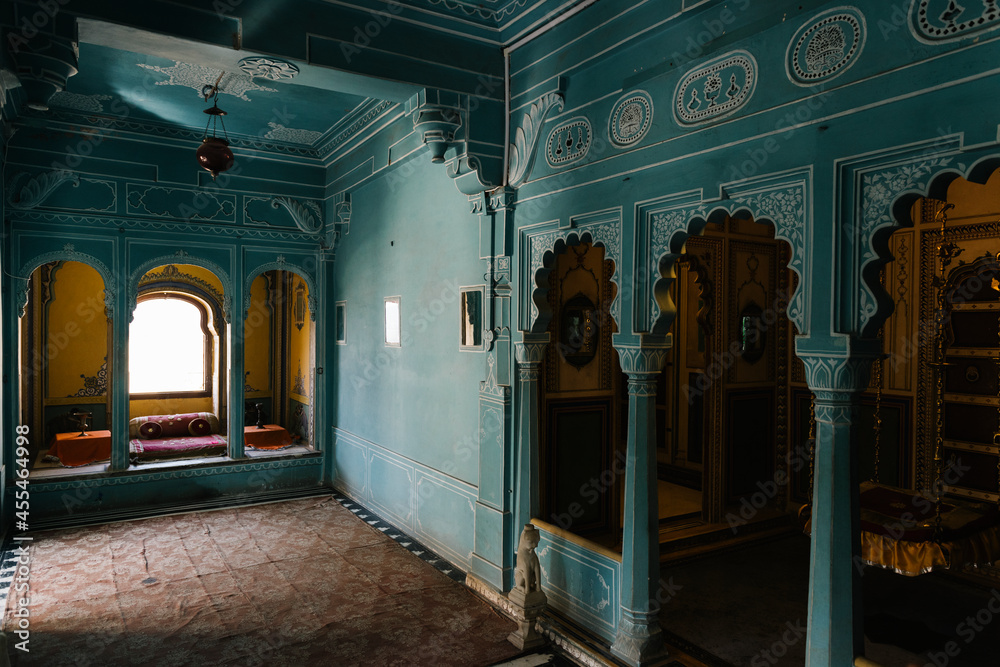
(748,608)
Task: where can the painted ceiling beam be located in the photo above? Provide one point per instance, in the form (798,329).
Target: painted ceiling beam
(390,51)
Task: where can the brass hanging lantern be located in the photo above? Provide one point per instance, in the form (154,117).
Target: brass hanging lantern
(214,154)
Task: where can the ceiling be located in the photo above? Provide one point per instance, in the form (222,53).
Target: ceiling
(150,88)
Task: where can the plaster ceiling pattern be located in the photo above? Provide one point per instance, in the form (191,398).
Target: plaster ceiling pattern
(196,76)
(492,13)
(151,89)
(77,102)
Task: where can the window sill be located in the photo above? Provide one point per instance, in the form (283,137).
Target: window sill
(101,469)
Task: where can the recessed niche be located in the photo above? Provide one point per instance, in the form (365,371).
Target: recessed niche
(471,327)
(341,317)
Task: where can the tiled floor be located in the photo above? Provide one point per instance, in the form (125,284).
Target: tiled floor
(303,582)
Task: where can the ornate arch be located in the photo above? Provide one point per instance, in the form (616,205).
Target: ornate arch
(281,265)
(883,204)
(67,254)
(544,246)
(785,204)
(180,257)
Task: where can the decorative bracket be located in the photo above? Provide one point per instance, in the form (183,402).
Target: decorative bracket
(436,124)
(38,188)
(522,151)
(341,225)
(306,215)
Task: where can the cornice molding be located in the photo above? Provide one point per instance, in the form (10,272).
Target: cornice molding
(214,229)
(76,121)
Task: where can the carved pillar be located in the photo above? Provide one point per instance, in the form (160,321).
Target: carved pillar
(492,557)
(639,640)
(120,313)
(237,372)
(530,354)
(836,613)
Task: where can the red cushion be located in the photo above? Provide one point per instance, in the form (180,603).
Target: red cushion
(150,430)
(199,427)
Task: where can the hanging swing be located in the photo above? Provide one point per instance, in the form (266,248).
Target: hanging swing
(916,532)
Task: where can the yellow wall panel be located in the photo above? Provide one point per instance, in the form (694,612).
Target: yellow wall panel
(257,340)
(77,329)
(168,406)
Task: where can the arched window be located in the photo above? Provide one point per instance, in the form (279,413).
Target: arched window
(171,347)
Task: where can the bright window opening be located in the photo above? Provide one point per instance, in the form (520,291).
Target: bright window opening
(392,337)
(167,347)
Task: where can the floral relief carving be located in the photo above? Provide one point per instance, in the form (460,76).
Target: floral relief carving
(879,190)
(522,150)
(608,234)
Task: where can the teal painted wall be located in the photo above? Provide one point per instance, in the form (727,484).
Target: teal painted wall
(411,235)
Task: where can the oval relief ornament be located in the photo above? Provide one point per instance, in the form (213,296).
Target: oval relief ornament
(716,89)
(826,46)
(569,142)
(935,21)
(631,118)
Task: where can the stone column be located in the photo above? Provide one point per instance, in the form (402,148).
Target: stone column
(234,369)
(118,307)
(530,355)
(639,640)
(836,612)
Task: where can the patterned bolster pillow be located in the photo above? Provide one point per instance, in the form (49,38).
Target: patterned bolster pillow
(173,426)
(199,427)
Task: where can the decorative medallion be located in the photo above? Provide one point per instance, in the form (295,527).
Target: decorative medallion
(936,21)
(716,89)
(631,118)
(269,68)
(569,142)
(195,76)
(826,46)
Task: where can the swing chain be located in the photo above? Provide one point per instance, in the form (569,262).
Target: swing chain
(877,367)
(812,443)
(996,436)
(877,379)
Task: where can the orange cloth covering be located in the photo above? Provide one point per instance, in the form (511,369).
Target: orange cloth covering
(74,449)
(271,436)
(898,531)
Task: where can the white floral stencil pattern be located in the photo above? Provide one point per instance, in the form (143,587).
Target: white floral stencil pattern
(197,77)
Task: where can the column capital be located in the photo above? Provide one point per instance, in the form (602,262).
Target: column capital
(648,357)
(531,350)
(487,202)
(835,377)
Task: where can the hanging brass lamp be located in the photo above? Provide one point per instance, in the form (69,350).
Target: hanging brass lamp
(214,154)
